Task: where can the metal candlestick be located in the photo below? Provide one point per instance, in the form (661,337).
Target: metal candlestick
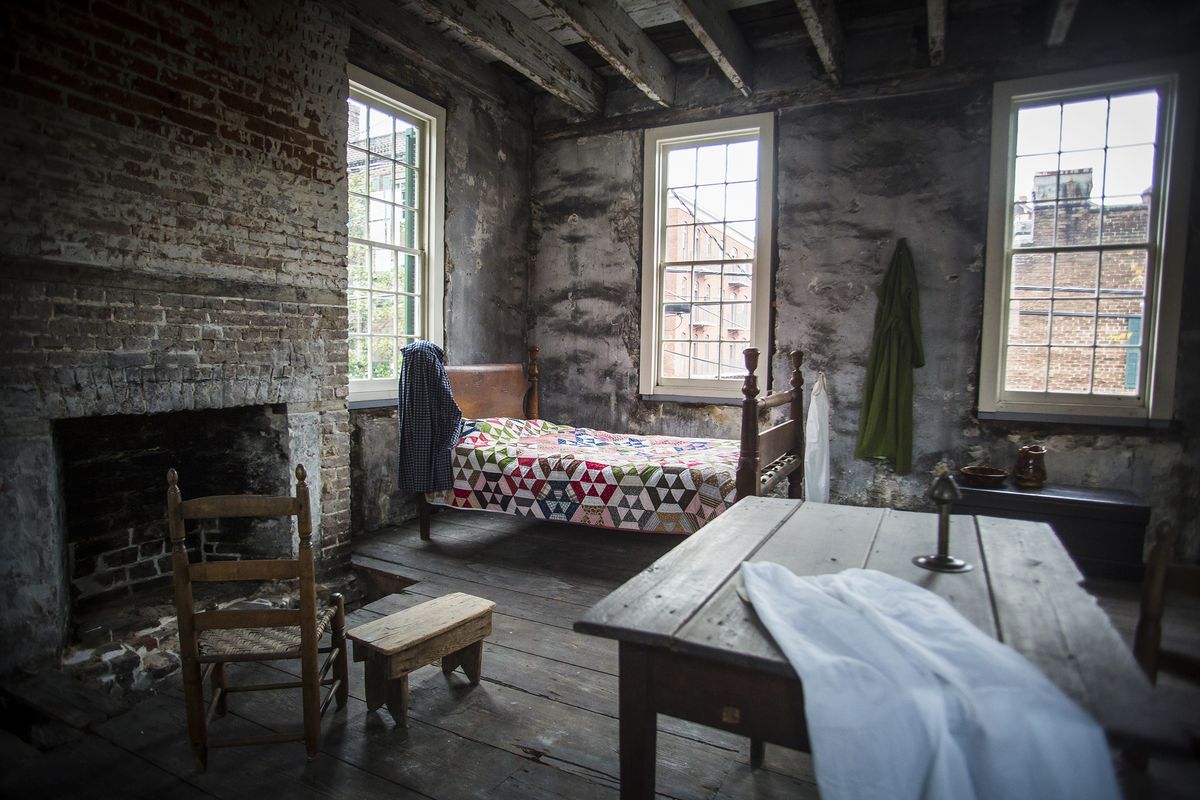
(943,492)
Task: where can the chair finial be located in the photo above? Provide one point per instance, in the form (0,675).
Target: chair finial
(301,474)
(172,477)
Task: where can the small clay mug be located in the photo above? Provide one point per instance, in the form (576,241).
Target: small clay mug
(1030,470)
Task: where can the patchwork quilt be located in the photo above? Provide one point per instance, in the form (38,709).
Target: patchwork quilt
(534,468)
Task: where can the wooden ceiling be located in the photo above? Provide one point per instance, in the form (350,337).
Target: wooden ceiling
(567,47)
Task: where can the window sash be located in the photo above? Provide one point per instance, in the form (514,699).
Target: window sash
(1168,214)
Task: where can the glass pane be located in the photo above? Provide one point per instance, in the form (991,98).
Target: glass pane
(675,360)
(741,235)
(406,228)
(383,269)
(705,357)
(681,206)
(710,242)
(1036,178)
(1032,274)
(1078,223)
(383,314)
(408,137)
(1083,124)
(1037,129)
(710,203)
(1116,371)
(1073,322)
(409,280)
(381,178)
(379,227)
(357,301)
(383,357)
(1080,174)
(741,201)
(680,243)
(358,358)
(1025,369)
(381,132)
(1126,220)
(677,284)
(706,320)
(357,263)
(357,223)
(1029,322)
(407,186)
(1119,323)
(1133,119)
(710,164)
(1070,369)
(676,322)
(1075,274)
(1130,170)
(743,166)
(1123,273)
(733,364)
(407,321)
(357,133)
(736,282)
(356,170)
(1038,229)
(681,167)
(706,283)
(735,321)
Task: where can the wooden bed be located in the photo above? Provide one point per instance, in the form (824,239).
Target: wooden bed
(765,457)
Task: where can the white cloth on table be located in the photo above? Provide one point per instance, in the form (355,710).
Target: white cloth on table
(905,698)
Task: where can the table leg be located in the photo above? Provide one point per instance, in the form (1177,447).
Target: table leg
(638,724)
(375,680)
(757,751)
(397,699)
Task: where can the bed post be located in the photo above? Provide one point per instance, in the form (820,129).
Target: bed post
(747,468)
(423,515)
(796,479)
(535,373)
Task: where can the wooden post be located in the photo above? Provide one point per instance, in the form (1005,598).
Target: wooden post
(747,468)
(423,515)
(638,723)
(796,479)
(535,373)
(309,669)
(189,656)
(338,639)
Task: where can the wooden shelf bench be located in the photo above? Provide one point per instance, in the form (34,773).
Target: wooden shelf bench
(451,628)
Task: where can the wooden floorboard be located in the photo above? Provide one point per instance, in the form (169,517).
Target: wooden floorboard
(541,725)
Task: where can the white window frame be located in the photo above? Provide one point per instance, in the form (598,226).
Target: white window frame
(654,201)
(432,118)
(1176,81)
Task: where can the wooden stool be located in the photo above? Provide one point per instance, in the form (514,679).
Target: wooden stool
(451,628)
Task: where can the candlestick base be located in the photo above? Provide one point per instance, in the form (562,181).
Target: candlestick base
(940,563)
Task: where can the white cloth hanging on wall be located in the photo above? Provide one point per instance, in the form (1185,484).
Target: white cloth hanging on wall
(907,700)
(816,443)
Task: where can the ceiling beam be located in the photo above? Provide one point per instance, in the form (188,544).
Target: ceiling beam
(936,12)
(825,31)
(610,31)
(1060,23)
(716,30)
(514,39)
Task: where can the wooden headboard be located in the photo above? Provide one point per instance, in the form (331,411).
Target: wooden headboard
(496,390)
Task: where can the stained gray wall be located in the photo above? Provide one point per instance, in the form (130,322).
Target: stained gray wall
(898,151)
(488,172)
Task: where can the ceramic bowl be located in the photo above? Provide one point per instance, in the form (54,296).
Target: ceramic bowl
(984,477)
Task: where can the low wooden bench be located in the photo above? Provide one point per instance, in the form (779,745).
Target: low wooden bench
(451,628)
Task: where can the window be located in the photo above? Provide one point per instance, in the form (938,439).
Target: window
(1086,238)
(394,162)
(706,255)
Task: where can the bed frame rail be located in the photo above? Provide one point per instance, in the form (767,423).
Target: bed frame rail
(767,457)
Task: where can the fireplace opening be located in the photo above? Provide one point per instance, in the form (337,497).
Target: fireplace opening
(114,487)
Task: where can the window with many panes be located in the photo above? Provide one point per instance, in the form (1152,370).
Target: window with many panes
(1085,245)
(706,254)
(394,171)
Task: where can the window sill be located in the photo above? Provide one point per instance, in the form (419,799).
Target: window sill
(379,402)
(689,399)
(1074,419)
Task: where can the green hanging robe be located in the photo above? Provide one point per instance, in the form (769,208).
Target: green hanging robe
(885,423)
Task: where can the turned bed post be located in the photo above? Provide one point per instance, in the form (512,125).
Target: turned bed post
(535,373)
(796,479)
(747,468)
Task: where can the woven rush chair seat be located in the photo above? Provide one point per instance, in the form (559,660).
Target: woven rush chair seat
(257,644)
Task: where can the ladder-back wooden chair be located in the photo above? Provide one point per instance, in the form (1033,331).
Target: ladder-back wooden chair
(208,640)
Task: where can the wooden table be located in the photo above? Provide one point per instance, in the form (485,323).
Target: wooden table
(690,647)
